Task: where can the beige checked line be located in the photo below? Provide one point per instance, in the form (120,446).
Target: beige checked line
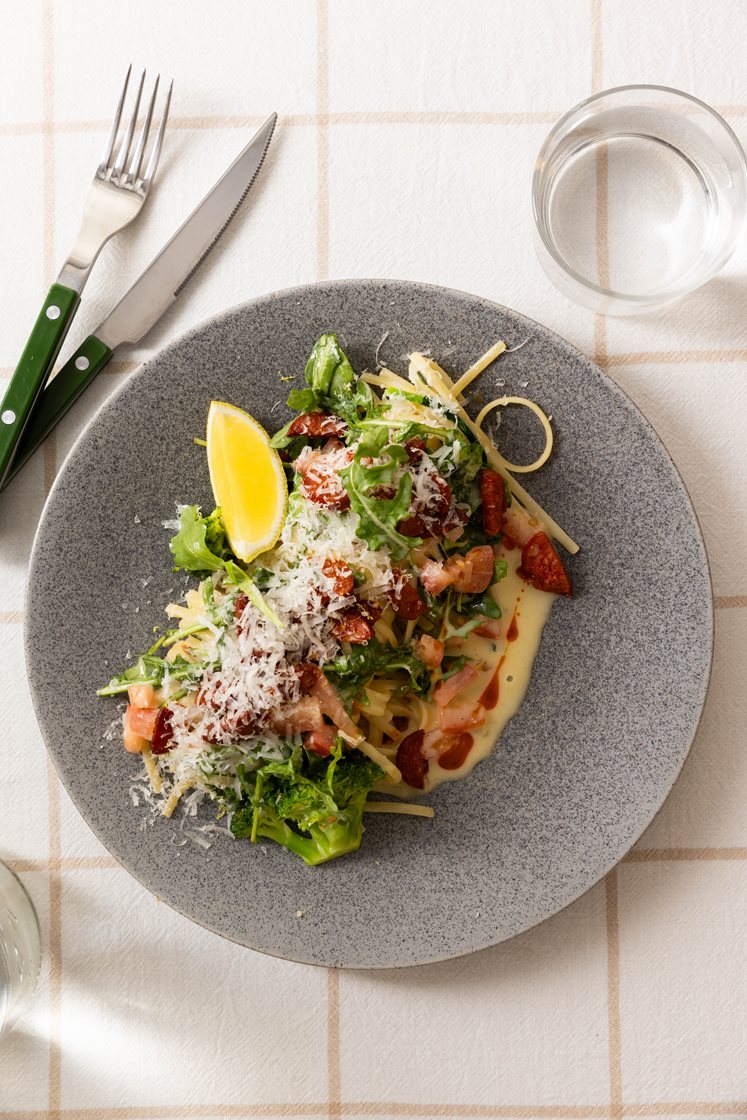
(335,1107)
(734,854)
(353,1108)
(328,117)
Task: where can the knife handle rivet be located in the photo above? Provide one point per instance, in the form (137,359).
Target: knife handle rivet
(82,362)
(53,311)
(8,416)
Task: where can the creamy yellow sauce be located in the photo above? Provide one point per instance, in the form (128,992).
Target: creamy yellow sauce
(524,614)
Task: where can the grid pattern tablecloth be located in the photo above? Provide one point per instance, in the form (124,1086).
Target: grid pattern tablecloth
(406,149)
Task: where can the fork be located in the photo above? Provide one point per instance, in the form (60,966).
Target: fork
(114,199)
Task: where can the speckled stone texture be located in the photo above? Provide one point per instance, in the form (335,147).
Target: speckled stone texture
(618,685)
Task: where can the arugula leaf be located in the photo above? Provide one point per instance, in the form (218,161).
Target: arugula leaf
(328,370)
(463,480)
(190,547)
(244,582)
(417,398)
(483,605)
(191,552)
(405,430)
(281,439)
(304,400)
(456,664)
(332,387)
(378,517)
(149,669)
(355,669)
(471,456)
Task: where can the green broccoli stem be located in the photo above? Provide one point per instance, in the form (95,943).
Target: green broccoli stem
(322,843)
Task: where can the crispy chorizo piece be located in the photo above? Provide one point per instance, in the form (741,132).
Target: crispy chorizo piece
(492,501)
(308,674)
(415,448)
(163,732)
(405,599)
(341,575)
(351,625)
(412,526)
(542,567)
(320,472)
(410,762)
(318,424)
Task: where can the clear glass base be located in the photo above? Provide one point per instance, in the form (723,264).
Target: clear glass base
(20,950)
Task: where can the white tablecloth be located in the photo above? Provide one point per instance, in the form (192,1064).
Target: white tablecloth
(405,148)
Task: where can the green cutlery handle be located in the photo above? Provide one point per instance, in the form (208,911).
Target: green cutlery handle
(59,395)
(33,369)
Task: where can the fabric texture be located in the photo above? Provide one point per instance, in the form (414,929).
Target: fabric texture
(405,148)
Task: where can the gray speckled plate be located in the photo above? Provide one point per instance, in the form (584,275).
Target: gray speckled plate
(618,686)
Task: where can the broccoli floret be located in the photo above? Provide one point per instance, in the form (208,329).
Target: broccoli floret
(215,534)
(312,806)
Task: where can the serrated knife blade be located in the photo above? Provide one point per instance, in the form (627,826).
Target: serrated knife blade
(166,276)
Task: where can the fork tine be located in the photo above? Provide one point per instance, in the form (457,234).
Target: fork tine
(115,125)
(134,169)
(127,138)
(150,170)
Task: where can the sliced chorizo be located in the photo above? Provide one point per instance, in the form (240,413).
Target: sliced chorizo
(351,625)
(542,568)
(318,424)
(410,762)
(492,502)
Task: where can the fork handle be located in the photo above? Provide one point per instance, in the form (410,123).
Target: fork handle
(32,371)
(59,395)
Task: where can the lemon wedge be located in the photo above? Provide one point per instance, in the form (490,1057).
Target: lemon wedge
(247,478)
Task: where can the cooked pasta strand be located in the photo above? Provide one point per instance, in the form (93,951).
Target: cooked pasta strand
(404,808)
(432,373)
(154,776)
(477,368)
(525,402)
(176,795)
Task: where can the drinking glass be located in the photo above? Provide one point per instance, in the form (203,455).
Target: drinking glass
(639,197)
(20,950)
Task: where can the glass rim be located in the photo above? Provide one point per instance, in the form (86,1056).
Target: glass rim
(654,298)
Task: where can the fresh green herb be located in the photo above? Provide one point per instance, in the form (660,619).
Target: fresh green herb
(189,546)
(304,400)
(463,480)
(313,807)
(193,549)
(378,516)
(215,534)
(150,670)
(477,607)
(281,441)
(352,671)
(456,664)
(328,371)
(331,386)
(416,398)
(501,570)
(262,578)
